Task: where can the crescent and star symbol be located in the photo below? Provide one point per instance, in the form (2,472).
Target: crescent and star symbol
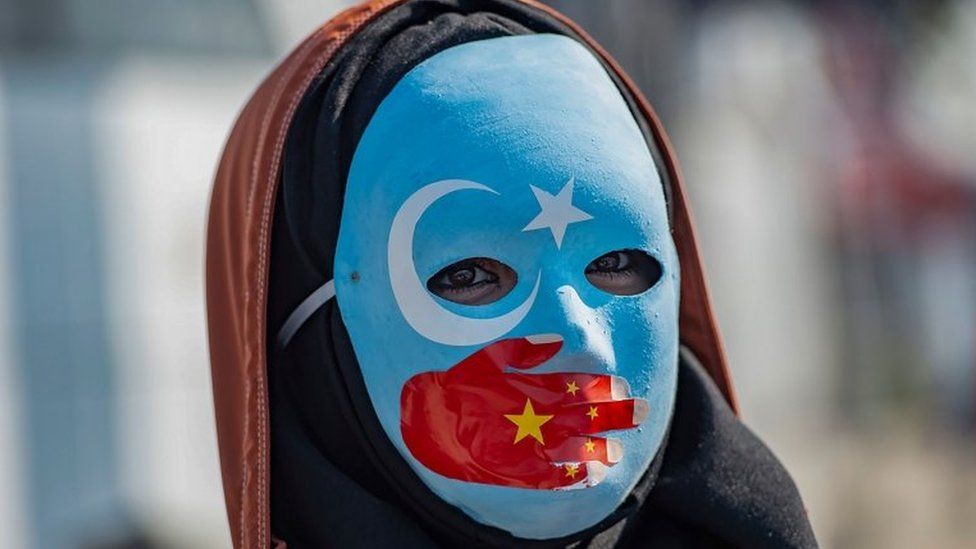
(418,306)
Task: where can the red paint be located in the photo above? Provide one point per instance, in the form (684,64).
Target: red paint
(463,423)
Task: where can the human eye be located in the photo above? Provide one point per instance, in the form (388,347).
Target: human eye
(624,272)
(473,281)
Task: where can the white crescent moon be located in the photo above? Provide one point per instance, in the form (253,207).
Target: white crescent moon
(417,305)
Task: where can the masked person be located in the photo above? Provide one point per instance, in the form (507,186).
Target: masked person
(455,300)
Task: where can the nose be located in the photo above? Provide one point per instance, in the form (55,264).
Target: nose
(586,333)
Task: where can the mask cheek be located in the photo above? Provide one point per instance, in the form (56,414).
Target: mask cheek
(645,338)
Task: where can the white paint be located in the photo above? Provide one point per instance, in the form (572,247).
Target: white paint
(418,306)
(557,212)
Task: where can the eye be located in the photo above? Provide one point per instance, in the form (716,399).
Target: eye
(473,281)
(624,272)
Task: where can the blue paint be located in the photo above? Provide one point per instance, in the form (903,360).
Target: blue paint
(508,113)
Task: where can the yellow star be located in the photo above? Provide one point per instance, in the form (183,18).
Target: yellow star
(571,470)
(529,423)
(590,446)
(592,413)
(571,388)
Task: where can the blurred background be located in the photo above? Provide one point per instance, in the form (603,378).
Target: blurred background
(830,151)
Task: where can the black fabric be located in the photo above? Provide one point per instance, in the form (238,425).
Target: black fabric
(336,480)
(718,480)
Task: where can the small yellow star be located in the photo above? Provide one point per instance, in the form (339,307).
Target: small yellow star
(571,388)
(529,423)
(592,413)
(590,446)
(571,470)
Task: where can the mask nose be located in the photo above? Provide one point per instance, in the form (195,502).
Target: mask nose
(586,333)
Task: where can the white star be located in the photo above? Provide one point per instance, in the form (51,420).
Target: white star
(557,212)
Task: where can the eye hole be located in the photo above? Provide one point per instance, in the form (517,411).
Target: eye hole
(624,272)
(473,281)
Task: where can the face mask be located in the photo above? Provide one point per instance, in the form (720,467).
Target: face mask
(508,280)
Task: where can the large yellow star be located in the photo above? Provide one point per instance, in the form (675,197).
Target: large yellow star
(571,388)
(592,413)
(529,423)
(590,446)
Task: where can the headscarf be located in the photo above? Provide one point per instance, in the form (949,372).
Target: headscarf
(335,479)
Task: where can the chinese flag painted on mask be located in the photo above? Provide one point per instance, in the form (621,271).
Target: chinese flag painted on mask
(486,420)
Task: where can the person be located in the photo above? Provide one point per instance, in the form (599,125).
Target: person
(455,299)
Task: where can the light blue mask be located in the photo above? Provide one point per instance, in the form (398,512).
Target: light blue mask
(523,150)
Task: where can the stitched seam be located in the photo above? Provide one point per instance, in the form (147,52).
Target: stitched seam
(262,253)
(265,123)
(252,189)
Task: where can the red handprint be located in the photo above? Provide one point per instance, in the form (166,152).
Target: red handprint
(481,422)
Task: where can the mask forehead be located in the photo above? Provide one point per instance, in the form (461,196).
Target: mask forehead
(462,155)
(495,126)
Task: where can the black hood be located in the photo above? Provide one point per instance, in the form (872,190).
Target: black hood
(336,479)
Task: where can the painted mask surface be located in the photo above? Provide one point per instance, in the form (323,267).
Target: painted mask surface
(536,412)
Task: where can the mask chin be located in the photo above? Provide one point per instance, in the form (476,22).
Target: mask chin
(537,413)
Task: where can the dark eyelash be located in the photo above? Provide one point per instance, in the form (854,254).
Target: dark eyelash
(492,279)
(626,272)
(452,290)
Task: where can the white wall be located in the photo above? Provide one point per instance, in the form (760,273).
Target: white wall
(162,124)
